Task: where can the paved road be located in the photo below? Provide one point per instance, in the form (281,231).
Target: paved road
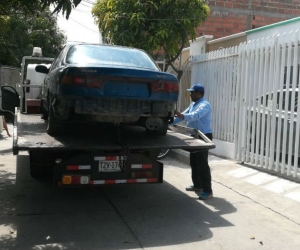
(246,212)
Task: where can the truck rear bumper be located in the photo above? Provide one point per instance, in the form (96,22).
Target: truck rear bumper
(95,170)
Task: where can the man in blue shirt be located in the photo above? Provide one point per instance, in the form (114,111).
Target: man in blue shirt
(198,116)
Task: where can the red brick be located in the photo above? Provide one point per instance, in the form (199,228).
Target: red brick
(235,31)
(220,24)
(227,25)
(278,5)
(296,12)
(228,5)
(258,8)
(271,4)
(236,5)
(288,11)
(220,3)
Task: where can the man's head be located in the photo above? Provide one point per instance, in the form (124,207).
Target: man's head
(197,92)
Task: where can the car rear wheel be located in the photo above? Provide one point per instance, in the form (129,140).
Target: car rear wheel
(43,111)
(55,126)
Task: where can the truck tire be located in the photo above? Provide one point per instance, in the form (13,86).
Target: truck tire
(163,153)
(55,126)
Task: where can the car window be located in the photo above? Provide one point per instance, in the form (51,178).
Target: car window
(105,55)
(58,60)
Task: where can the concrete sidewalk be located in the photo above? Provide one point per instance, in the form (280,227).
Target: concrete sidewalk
(272,192)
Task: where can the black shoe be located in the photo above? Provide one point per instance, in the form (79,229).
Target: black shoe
(192,188)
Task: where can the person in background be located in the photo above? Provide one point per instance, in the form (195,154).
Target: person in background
(5,126)
(198,116)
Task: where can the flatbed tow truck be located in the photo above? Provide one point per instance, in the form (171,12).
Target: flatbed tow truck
(97,155)
(89,155)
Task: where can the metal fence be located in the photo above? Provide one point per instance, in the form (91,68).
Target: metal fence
(253,89)
(217,71)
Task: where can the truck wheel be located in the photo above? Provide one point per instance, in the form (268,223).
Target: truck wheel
(163,153)
(162,131)
(55,126)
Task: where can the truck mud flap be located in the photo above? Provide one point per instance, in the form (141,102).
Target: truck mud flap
(96,170)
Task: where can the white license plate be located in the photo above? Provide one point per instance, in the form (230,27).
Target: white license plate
(109,166)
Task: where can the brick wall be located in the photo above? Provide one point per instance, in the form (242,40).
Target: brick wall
(229,17)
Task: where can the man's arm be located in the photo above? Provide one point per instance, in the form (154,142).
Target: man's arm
(179,116)
(200,111)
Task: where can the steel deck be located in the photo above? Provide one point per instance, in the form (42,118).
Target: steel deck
(30,134)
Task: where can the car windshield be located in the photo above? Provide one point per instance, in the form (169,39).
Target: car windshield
(105,55)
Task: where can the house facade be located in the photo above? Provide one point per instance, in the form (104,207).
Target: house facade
(228,17)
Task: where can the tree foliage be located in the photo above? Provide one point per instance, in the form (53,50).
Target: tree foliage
(156,26)
(21,32)
(9,7)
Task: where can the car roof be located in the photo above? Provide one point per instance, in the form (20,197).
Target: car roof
(69,44)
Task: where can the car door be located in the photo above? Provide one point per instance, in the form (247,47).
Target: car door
(49,79)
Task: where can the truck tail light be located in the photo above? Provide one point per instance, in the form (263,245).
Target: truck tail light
(165,86)
(75,179)
(83,81)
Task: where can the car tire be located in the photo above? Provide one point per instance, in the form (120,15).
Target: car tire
(55,126)
(43,111)
(162,131)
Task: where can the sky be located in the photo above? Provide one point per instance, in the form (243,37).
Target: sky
(80,26)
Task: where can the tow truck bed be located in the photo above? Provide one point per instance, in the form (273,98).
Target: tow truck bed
(30,134)
(91,155)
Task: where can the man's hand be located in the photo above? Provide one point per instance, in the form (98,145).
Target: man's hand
(179,115)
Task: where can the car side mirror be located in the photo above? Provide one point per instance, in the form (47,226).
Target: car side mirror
(41,69)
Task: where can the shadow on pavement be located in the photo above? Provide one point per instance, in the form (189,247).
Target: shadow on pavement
(36,215)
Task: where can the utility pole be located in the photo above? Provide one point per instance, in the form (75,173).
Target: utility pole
(249,16)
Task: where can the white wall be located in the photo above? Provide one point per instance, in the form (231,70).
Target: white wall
(274,29)
(198,46)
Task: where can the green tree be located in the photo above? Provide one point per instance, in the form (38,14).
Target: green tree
(9,7)
(156,26)
(19,33)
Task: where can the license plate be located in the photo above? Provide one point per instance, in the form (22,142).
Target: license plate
(108,163)
(109,166)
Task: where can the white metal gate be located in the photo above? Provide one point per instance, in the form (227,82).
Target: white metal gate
(253,89)
(217,71)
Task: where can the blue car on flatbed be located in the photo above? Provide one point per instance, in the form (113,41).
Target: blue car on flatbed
(94,83)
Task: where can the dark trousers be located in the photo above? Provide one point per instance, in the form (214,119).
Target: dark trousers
(201,176)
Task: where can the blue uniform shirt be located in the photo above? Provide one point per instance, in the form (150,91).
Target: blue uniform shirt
(197,116)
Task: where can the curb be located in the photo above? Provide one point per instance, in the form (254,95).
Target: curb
(180,155)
